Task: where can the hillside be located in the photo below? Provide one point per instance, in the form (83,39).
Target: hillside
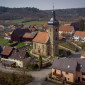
(36,14)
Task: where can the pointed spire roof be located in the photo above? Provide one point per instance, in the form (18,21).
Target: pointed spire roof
(53,20)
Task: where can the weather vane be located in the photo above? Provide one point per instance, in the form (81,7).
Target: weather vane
(53,6)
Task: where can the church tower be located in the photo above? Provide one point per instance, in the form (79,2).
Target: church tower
(53,28)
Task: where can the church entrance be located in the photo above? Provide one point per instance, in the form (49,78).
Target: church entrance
(39,51)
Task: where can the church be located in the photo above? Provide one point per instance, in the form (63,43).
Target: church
(46,43)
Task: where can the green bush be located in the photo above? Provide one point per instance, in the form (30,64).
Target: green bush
(14,79)
(33,67)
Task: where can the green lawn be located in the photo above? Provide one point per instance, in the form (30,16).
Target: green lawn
(20,45)
(4,42)
(35,22)
(17,20)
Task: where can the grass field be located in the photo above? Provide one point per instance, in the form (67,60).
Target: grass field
(67,45)
(20,45)
(17,20)
(35,22)
(4,42)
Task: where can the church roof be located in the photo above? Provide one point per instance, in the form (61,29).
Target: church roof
(41,37)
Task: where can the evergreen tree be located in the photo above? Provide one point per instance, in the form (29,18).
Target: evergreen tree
(40,62)
(81,25)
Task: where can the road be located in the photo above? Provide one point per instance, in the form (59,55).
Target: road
(39,76)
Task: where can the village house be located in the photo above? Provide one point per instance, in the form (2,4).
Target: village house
(11,56)
(29,37)
(1,27)
(46,43)
(18,33)
(79,36)
(69,69)
(66,30)
(83,55)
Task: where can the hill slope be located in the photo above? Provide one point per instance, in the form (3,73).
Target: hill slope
(34,13)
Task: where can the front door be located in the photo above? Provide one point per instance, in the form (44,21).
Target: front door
(38,51)
(78,78)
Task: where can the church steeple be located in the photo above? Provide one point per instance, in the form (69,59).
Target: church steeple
(53,20)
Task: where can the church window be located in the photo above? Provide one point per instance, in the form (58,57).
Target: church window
(35,45)
(50,31)
(43,47)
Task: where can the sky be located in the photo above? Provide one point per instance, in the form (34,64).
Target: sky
(44,4)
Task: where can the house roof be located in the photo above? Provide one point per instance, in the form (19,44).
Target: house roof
(18,54)
(66,28)
(79,33)
(6,50)
(39,25)
(69,64)
(32,29)
(29,35)
(45,25)
(41,37)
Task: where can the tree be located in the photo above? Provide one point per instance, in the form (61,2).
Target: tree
(40,62)
(81,25)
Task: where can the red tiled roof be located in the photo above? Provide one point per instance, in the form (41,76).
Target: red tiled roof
(7,50)
(45,25)
(66,28)
(39,25)
(32,29)
(80,33)
(41,37)
(29,35)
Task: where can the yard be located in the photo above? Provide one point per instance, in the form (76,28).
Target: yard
(17,20)
(4,42)
(67,45)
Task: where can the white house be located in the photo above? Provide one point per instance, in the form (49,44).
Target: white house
(66,29)
(79,36)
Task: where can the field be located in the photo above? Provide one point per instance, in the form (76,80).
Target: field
(35,22)
(17,20)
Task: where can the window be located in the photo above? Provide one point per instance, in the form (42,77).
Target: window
(35,45)
(83,79)
(83,73)
(56,30)
(67,73)
(43,47)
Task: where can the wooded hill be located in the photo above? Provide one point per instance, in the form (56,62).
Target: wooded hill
(34,13)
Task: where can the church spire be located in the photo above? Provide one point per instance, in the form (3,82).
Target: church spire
(53,20)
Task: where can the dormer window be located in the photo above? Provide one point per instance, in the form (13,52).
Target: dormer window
(68,66)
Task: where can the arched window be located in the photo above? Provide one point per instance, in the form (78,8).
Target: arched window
(35,45)
(43,47)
